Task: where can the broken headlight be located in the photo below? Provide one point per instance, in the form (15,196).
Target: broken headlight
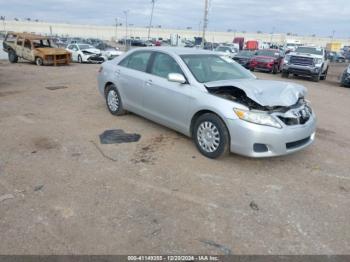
(257,118)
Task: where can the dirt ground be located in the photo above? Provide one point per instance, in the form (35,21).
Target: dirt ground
(62,192)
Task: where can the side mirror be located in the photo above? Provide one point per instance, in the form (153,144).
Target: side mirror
(177,78)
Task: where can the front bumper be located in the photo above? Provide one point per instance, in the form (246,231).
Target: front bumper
(301,70)
(262,66)
(96,59)
(247,137)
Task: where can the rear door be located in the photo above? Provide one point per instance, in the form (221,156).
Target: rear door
(130,75)
(166,102)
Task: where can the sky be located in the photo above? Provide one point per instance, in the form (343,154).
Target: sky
(303,17)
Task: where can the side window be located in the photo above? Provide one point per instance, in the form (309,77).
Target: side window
(19,41)
(137,61)
(27,44)
(163,65)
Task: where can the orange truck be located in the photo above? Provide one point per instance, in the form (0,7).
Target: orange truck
(252,45)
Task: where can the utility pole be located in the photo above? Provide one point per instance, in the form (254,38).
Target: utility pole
(150,21)
(116,29)
(3,22)
(126,12)
(205,20)
(333,32)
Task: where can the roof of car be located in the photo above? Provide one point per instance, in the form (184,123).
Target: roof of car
(179,50)
(30,36)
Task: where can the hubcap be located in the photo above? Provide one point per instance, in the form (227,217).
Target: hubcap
(208,137)
(113,100)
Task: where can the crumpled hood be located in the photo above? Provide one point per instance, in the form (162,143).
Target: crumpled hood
(92,51)
(265,92)
(52,51)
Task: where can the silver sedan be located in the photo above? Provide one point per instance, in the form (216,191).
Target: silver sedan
(210,98)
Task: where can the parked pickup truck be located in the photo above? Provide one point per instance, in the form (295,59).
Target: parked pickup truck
(34,48)
(306,61)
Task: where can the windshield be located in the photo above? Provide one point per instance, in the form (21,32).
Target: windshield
(272,53)
(309,50)
(246,53)
(41,43)
(223,49)
(85,47)
(208,68)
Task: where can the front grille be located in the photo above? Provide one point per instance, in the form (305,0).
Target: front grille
(299,143)
(59,57)
(301,60)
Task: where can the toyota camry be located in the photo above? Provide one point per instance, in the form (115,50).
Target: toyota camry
(212,99)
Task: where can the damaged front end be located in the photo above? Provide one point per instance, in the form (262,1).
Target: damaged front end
(269,105)
(93,57)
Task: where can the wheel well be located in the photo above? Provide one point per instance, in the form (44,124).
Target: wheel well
(202,112)
(107,85)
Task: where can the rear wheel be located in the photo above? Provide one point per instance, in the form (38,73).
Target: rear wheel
(39,61)
(13,58)
(114,101)
(211,136)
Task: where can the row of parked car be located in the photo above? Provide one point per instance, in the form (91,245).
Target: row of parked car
(304,61)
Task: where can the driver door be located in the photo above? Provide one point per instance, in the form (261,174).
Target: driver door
(166,102)
(27,50)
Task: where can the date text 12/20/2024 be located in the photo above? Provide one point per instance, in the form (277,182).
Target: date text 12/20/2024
(173,258)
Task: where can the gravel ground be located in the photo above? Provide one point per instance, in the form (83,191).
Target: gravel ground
(62,192)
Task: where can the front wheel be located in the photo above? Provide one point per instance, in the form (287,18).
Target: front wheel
(80,59)
(324,77)
(39,61)
(285,74)
(275,69)
(114,101)
(211,136)
(13,58)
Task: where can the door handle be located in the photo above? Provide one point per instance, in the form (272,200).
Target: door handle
(149,82)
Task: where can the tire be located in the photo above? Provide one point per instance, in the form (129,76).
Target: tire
(80,60)
(252,69)
(13,58)
(316,78)
(275,69)
(324,77)
(211,136)
(39,61)
(285,74)
(114,101)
